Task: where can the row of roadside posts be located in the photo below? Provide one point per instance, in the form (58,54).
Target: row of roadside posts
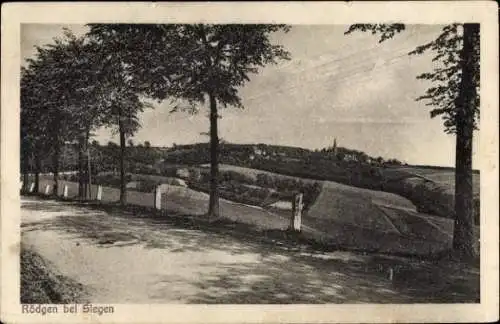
(49,189)
(295,220)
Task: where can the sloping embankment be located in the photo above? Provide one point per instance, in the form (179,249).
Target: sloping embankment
(428,196)
(433,196)
(369,223)
(41,284)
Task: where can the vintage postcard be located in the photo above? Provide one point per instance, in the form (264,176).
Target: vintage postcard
(225,162)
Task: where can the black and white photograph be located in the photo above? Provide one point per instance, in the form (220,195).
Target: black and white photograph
(250,163)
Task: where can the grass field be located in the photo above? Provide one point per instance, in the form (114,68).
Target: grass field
(430,190)
(333,188)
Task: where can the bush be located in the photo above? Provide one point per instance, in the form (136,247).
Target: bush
(148,185)
(225,177)
(194,175)
(265,180)
(311,192)
(288,187)
(234,176)
(168,171)
(64,177)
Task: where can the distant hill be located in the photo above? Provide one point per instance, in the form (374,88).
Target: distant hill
(430,188)
(200,153)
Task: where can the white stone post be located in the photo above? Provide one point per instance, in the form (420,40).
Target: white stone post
(32,187)
(65,191)
(99,193)
(47,189)
(158,198)
(21,188)
(296,220)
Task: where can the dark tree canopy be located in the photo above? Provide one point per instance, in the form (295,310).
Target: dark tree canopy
(189,61)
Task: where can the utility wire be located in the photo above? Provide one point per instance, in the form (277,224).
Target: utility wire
(359,70)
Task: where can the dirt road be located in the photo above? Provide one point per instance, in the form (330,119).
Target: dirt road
(123,258)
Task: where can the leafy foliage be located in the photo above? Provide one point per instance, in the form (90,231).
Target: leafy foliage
(59,97)
(386,31)
(447,72)
(186,62)
(72,87)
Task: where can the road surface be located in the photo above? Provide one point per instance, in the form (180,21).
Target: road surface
(123,258)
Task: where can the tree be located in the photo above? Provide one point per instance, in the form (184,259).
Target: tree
(34,124)
(34,120)
(47,91)
(195,64)
(147,144)
(455,97)
(77,89)
(121,102)
(73,95)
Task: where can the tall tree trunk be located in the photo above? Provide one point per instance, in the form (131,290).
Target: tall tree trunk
(89,174)
(25,167)
(123,188)
(213,207)
(463,236)
(25,178)
(38,168)
(81,167)
(55,165)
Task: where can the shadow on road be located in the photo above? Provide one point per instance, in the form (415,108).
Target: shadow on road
(285,272)
(311,279)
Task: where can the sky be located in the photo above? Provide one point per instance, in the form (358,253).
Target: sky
(347,87)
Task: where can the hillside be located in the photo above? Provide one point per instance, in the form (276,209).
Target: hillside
(430,189)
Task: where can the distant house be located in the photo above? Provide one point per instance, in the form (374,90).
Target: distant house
(351,157)
(258,151)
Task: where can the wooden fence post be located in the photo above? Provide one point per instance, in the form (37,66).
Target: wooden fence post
(21,188)
(99,193)
(296,220)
